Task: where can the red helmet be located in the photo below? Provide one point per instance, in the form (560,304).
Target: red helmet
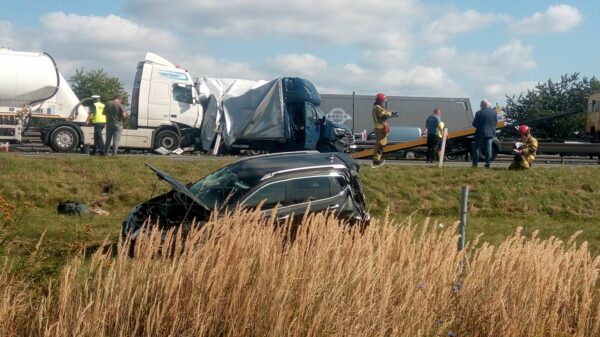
(524,129)
(380,97)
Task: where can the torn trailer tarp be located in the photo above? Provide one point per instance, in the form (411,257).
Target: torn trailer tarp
(242,109)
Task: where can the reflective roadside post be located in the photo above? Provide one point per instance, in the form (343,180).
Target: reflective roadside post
(464,199)
(443,149)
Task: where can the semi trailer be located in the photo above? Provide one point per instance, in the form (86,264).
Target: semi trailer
(168,111)
(355,112)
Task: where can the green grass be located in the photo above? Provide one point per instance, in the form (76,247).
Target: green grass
(555,201)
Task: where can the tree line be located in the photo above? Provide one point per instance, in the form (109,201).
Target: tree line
(569,95)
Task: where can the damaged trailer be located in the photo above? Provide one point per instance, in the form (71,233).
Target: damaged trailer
(261,117)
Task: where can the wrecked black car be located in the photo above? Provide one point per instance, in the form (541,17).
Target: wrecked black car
(290,181)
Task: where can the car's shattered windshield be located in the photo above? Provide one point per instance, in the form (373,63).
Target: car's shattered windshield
(218,188)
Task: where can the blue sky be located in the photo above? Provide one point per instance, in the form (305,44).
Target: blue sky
(404,47)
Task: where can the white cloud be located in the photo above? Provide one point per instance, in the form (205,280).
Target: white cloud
(557,18)
(345,78)
(506,60)
(498,91)
(300,64)
(9,36)
(454,23)
(115,38)
(207,66)
(332,21)
(386,58)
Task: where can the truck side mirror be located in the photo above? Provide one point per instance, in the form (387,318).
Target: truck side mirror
(322,120)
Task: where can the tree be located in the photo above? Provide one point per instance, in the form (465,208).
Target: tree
(97,82)
(550,98)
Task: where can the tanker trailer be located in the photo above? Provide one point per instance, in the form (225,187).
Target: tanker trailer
(32,87)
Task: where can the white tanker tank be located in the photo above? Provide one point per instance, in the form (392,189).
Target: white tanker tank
(33,80)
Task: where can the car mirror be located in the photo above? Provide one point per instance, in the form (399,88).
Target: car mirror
(322,120)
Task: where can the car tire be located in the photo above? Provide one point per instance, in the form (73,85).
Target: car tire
(168,139)
(410,155)
(252,153)
(64,139)
(452,157)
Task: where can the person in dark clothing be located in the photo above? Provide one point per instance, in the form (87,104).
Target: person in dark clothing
(433,130)
(115,115)
(485,124)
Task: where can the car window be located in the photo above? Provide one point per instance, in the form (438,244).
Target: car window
(339,185)
(272,195)
(219,188)
(182,94)
(309,189)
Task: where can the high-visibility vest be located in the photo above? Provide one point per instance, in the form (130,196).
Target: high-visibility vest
(99,116)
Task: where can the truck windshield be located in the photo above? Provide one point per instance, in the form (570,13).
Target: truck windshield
(219,188)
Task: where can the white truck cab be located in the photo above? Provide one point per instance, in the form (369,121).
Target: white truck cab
(165,110)
(163,94)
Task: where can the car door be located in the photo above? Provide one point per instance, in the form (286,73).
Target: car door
(271,195)
(315,194)
(295,196)
(312,127)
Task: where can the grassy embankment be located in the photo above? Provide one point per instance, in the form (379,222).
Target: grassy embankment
(239,277)
(555,201)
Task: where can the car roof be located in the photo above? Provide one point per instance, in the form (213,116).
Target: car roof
(262,167)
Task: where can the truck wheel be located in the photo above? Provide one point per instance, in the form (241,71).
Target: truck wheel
(64,139)
(168,139)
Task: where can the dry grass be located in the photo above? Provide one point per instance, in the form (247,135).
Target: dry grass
(238,277)
(15,310)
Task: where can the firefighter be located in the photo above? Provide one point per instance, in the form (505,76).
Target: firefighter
(381,127)
(98,119)
(525,152)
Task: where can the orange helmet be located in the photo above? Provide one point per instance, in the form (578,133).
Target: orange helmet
(524,129)
(380,97)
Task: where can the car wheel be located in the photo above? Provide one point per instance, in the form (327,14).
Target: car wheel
(168,139)
(64,139)
(252,153)
(410,155)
